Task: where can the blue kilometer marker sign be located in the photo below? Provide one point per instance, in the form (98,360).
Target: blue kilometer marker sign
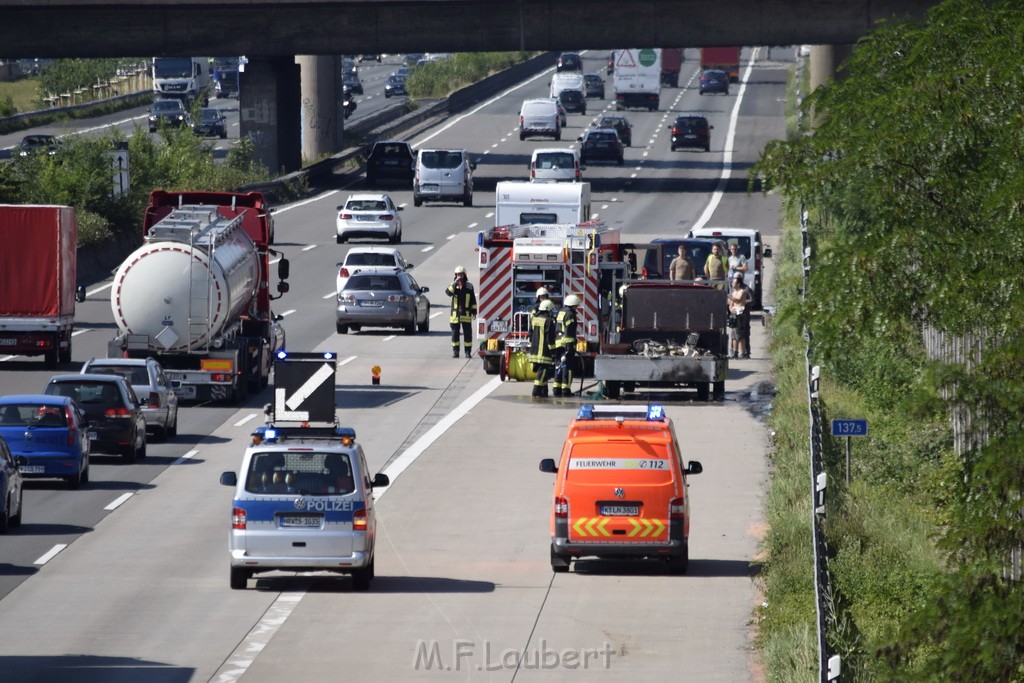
(849,427)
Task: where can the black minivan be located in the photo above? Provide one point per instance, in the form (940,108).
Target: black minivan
(691,131)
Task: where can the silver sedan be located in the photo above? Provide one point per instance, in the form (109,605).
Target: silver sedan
(383,298)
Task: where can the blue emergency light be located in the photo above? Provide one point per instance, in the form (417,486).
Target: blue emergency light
(480,239)
(282,354)
(586,412)
(654,412)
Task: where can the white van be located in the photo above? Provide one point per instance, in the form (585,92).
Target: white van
(539,117)
(443,175)
(521,203)
(751,246)
(555,165)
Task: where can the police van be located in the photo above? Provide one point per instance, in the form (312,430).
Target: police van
(303,496)
(620,489)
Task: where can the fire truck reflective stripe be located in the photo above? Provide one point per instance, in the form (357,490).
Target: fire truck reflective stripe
(646,527)
(495,298)
(592,527)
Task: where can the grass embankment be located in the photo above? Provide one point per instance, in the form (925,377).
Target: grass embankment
(880,528)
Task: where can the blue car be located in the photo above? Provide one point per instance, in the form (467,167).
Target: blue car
(48,435)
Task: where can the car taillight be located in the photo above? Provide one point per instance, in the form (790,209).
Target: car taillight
(359,520)
(345,216)
(522,120)
(237,518)
(117,412)
(643,272)
(70,421)
(676,131)
(346,299)
(677,508)
(400,298)
(561,507)
(154,399)
(343,272)
(386,217)
(579,176)
(220,377)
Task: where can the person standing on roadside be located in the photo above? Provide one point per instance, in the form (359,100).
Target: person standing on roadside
(565,344)
(462,312)
(681,267)
(737,262)
(716,267)
(542,347)
(739,306)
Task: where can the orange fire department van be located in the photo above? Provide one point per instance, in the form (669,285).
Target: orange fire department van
(620,489)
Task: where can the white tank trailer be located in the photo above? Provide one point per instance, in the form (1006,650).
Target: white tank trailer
(186,287)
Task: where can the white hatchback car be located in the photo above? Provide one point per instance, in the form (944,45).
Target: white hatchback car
(359,259)
(369,215)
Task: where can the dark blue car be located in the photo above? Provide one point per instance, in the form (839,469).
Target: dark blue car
(52,435)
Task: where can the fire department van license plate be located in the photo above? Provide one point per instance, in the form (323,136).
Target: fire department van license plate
(92,436)
(6,341)
(31,469)
(620,510)
(186,391)
(499,326)
(300,521)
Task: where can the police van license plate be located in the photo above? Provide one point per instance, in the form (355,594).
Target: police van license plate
(620,510)
(309,522)
(31,469)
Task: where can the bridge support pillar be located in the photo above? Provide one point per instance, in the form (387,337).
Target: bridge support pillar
(269,111)
(323,115)
(824,61)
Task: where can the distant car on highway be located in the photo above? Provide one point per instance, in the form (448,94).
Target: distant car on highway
(383,298)
(621,125)
(154,391)
(569,61)
(211,124)
(116,423)
(390,160)
(38,144)
(352,82)
(594,85)
(167,112)
(394,86)
(714,81)
(369,215)
(359,259)
(601,143)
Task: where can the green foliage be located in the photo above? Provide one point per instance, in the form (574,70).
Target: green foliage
(439,79)
(913,180)
(7,107)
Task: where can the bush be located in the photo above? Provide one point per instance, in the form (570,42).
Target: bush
(439,79)
(7,107)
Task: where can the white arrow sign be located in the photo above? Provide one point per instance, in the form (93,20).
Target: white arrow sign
(285,407)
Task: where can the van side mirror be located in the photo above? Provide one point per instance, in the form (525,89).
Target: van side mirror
(472,165)
(694,467)
(80,293)
(381,479)
(229,479)
(767,252)
(548,465)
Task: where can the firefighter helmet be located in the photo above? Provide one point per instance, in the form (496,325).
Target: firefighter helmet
(572,300)
(542,292)
(459,269)
(546,305)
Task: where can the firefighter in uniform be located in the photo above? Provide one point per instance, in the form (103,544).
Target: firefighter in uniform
(542,296)
(565,344)
(542,347)
(463,311)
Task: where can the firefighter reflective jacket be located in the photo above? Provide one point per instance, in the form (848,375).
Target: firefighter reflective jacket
(542,339)
(463,303)
(565,327)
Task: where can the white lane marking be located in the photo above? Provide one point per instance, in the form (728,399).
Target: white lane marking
(596,216)
(604,206)
(347,360)
(389,337)
(472,225)
(99,289)
(51,553)
(119,501)
(288,312)
(434,315)
(8,358)
(187,456)
(490,214)
(727,152)
(487,151)
(633,175)
(451,237)
(78,332)
(311,246)
(426,249)
(257,639)
(247,418)
(495,145)
(275,260)
(303,203)
(328,296)
(489,102)
(402,462)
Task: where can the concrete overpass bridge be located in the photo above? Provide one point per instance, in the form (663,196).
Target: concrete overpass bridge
(271,34)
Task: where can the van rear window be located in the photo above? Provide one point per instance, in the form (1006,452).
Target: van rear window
(632,462)
(306,473)
(441,159)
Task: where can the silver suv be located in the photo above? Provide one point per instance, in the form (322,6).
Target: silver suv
(155,392)
(303,502)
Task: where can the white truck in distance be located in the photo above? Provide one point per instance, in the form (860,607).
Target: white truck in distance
(637,79)
(523,203)
(182,78)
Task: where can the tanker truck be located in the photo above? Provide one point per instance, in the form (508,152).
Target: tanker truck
(196,297)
